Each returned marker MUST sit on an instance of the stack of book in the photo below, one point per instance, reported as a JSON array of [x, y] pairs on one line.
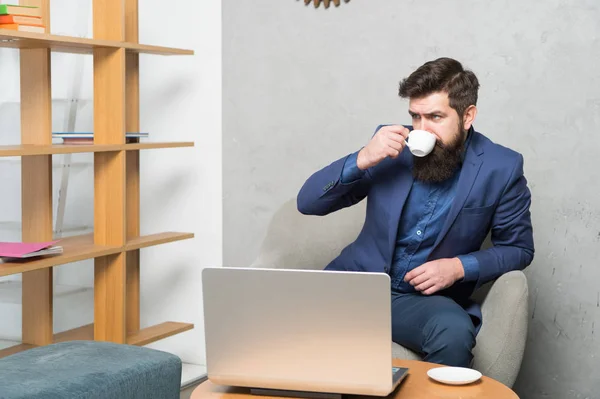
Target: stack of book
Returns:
[[11, 251], [21, 18], [88, 137]]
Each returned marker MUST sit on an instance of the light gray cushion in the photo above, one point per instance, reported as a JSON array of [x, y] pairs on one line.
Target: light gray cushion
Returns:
[[90, 370], [400, 352], [501, 341], [296, 241], [301, 241]]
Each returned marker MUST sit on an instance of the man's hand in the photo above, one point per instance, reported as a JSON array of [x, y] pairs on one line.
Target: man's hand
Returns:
[[436, 275], [389, 141]]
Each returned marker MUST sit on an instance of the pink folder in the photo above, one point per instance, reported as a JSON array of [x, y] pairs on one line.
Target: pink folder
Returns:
[[19, 249]]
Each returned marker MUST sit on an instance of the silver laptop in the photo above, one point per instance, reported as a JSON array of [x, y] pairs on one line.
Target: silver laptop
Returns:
[[299, 330]]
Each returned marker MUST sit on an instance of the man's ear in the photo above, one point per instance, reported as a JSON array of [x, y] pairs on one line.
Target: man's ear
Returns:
[[469, 117]]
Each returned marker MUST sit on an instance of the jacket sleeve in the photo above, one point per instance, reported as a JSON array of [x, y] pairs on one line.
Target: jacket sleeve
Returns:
[[336, 186], [511, 231], [325, 191]]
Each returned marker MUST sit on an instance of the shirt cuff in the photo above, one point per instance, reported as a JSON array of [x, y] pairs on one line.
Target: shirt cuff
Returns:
[[351, 171], [471, 267]]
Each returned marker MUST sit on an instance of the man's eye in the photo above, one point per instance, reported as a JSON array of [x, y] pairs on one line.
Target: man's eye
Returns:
[[416, 117], [436, 117]]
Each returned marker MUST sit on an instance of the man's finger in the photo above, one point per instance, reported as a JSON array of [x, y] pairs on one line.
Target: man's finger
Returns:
[[393, 153], [423, 287], [431, 290], [401, 130], [395, 136], [396, 140], [396, 145], [414, 273], [420, 279]]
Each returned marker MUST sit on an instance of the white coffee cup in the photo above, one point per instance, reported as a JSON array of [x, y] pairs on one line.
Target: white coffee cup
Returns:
[[421, 142]]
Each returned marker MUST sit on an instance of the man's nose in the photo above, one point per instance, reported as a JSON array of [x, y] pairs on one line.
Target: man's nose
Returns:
[[421, 124]]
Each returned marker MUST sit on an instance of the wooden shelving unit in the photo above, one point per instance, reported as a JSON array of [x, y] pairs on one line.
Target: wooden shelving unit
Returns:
[[116, 242]]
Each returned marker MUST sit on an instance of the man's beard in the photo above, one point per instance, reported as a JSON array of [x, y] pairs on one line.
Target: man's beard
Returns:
[[442, 163]]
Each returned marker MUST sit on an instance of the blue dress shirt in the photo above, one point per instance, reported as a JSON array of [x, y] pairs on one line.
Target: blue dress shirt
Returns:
[[422, 218]]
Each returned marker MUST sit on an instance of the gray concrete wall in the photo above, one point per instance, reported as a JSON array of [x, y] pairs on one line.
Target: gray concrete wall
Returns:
[[303, 87]]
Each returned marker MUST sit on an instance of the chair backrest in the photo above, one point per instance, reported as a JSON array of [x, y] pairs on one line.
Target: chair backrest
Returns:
[[297, 241]]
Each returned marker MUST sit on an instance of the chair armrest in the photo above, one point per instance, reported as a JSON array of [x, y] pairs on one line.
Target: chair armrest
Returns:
[[501, 340]]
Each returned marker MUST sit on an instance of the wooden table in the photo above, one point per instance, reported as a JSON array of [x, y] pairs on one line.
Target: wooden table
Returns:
[[416, 385]]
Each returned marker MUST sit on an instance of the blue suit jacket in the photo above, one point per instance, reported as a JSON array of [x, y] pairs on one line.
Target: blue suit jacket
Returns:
[[492, 194]]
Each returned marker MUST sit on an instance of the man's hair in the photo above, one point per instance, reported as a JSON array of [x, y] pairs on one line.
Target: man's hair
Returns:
[[443, 75]]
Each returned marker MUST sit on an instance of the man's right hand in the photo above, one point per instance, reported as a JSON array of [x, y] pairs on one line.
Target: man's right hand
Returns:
[[389, 141]]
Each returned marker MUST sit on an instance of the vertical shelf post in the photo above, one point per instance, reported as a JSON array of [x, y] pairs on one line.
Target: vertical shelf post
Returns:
[[36, 183], [132, 119], [109, 173]]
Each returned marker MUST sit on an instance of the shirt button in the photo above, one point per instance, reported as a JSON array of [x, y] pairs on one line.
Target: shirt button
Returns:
[[419, 232]]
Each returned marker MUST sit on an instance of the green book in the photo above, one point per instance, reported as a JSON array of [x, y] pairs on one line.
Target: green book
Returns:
[[29, 11]]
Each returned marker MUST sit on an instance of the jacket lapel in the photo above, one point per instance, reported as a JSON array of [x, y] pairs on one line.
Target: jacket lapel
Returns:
[[468, 174]]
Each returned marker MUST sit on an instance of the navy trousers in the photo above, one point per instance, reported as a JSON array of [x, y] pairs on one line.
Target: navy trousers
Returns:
[[435, 326]]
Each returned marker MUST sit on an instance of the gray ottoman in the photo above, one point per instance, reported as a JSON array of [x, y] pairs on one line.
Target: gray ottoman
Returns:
[[90, 370]]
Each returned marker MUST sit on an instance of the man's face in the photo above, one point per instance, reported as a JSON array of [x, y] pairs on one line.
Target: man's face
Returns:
[[433, 114]]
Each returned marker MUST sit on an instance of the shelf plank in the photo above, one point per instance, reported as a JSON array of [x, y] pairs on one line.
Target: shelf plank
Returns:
[[74, 249], [83, 333], [53, 149], [152, 146], [156, 239], [15, 349], [142, 337], [31, 149], [78, 45], [155, 333], [82, 247]]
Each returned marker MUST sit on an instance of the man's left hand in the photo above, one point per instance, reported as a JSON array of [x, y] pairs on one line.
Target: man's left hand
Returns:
[[436, 275]]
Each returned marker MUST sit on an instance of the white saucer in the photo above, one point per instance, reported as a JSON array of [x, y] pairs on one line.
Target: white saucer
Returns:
[[454, 375]]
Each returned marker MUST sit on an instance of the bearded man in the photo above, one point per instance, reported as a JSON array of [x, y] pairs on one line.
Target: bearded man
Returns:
[[427, 217]]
